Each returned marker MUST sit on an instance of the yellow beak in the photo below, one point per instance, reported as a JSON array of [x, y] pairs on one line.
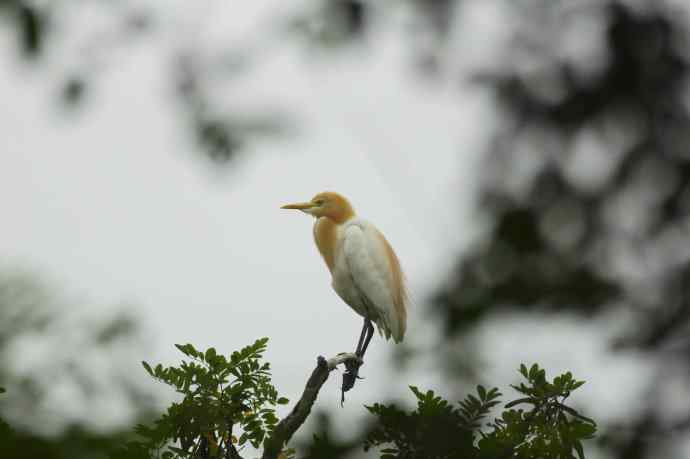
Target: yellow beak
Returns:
[[299, 206]]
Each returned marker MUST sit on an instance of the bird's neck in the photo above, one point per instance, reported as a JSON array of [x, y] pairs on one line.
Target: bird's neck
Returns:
[[326, 238], [341, 215]]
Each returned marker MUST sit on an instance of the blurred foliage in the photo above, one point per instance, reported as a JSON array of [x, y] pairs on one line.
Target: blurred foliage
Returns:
[[74, 443], [326, 444], [564, 228], [32, 319], [46, 345], [518, 266], [587, 188], [332, 24], [220, 135], [219, 394], [30, 24]]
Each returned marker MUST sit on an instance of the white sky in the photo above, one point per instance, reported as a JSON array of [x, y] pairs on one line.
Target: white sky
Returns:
[[113, 205]]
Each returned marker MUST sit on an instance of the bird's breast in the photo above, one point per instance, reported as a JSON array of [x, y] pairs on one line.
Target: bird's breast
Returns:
[[326, 238]]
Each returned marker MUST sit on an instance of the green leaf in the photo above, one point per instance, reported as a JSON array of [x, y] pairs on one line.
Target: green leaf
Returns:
[[415, 390], [491, 393], [521, 400], [282, 401], [523, 370], [584, 430], [482, 392], [576, 384], [188, 349], [475, 401], [147, 367]]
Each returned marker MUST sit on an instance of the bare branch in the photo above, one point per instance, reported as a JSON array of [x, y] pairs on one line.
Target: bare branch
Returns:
[[293, 421]]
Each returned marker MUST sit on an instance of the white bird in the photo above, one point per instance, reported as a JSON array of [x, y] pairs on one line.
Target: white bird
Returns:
[[365, 270]]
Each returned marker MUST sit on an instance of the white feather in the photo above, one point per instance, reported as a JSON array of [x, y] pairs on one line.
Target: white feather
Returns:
[[362, 275]]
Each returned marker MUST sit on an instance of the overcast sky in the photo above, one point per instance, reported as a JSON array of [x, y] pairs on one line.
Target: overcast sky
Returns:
[[113, 205]]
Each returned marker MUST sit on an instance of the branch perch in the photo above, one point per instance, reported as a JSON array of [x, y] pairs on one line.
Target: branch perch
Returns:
[[293, 421]]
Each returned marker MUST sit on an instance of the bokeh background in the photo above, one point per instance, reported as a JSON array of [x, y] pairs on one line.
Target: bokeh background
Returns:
[[529, 161]]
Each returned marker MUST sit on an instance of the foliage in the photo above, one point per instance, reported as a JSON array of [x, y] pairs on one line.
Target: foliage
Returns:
[[325, 443], [31, 308], [588, 174], [439, 430], [73, 443], [219, 394], [222, 393], [562, 225]]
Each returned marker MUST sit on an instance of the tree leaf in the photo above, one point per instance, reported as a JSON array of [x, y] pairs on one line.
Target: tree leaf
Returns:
[[147, 367], [482, 392]]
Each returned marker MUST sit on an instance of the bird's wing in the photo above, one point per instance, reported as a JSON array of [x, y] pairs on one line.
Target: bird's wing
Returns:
[[375, 271]]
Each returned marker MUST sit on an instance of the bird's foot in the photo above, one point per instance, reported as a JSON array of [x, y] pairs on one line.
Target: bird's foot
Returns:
[[350, 376]]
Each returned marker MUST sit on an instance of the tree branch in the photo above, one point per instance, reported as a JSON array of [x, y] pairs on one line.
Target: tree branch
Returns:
[[293, 421]]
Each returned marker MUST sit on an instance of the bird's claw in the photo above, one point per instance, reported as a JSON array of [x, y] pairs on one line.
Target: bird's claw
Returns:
[[350, 376]]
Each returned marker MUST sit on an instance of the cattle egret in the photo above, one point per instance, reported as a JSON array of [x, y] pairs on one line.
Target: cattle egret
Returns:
[[364, 268]]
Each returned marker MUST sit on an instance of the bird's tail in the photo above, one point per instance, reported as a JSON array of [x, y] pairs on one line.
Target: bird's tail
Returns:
[[391, 327]]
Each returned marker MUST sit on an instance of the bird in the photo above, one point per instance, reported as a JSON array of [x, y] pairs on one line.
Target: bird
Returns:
[[365, 270]]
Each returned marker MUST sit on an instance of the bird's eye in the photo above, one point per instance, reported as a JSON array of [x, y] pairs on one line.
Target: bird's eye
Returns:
[[319, 202]]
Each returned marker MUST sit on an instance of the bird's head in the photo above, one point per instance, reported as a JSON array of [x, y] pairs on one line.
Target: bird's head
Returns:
[[327, 204]]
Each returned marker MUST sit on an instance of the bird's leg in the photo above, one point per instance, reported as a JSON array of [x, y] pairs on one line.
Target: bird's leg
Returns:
[[367, 340], [361, 338], [352, 366]]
